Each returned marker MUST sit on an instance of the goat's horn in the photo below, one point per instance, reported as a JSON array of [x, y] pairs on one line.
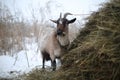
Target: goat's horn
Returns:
[[66, 14], [60, 15]]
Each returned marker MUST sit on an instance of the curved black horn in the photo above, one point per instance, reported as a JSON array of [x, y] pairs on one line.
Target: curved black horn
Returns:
[[66, 14]]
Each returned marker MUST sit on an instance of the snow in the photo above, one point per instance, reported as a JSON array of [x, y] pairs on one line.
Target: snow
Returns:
[[23, 61]]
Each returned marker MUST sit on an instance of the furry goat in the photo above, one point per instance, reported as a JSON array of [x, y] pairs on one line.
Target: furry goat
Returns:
[[59, 37]]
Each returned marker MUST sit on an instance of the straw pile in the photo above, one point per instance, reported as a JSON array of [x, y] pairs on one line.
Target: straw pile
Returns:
[[95, 53]]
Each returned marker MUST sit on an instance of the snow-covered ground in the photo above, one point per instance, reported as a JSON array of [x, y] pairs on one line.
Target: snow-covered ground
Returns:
[[21, 62]]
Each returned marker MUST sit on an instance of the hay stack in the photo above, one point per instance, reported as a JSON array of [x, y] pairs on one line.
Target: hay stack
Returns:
[[95, 54]]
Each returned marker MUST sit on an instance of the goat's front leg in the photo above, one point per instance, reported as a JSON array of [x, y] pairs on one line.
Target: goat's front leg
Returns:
[[59, 61], [53, 62]]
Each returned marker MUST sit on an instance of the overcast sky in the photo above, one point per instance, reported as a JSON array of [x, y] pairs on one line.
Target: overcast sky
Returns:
[[55, 6]]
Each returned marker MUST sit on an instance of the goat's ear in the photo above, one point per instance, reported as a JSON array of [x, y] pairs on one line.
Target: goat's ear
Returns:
[[71, 21], [55, 21]]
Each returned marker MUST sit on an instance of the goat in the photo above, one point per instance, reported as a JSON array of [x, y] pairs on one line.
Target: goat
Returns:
[[59, 37]]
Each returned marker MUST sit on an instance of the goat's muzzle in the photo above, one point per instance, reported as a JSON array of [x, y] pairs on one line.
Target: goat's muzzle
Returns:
[[60, 33]]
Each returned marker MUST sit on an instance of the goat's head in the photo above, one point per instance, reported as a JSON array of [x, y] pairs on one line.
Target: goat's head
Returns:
[[62, 24]]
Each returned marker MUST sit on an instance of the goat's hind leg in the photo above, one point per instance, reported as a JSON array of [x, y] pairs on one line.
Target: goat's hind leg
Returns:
[[43, 63]]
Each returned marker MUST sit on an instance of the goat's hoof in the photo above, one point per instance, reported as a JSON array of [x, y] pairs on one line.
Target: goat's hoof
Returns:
[[53, 69]]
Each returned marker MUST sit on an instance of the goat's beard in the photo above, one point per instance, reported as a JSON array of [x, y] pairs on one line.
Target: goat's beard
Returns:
[[63, 40]]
